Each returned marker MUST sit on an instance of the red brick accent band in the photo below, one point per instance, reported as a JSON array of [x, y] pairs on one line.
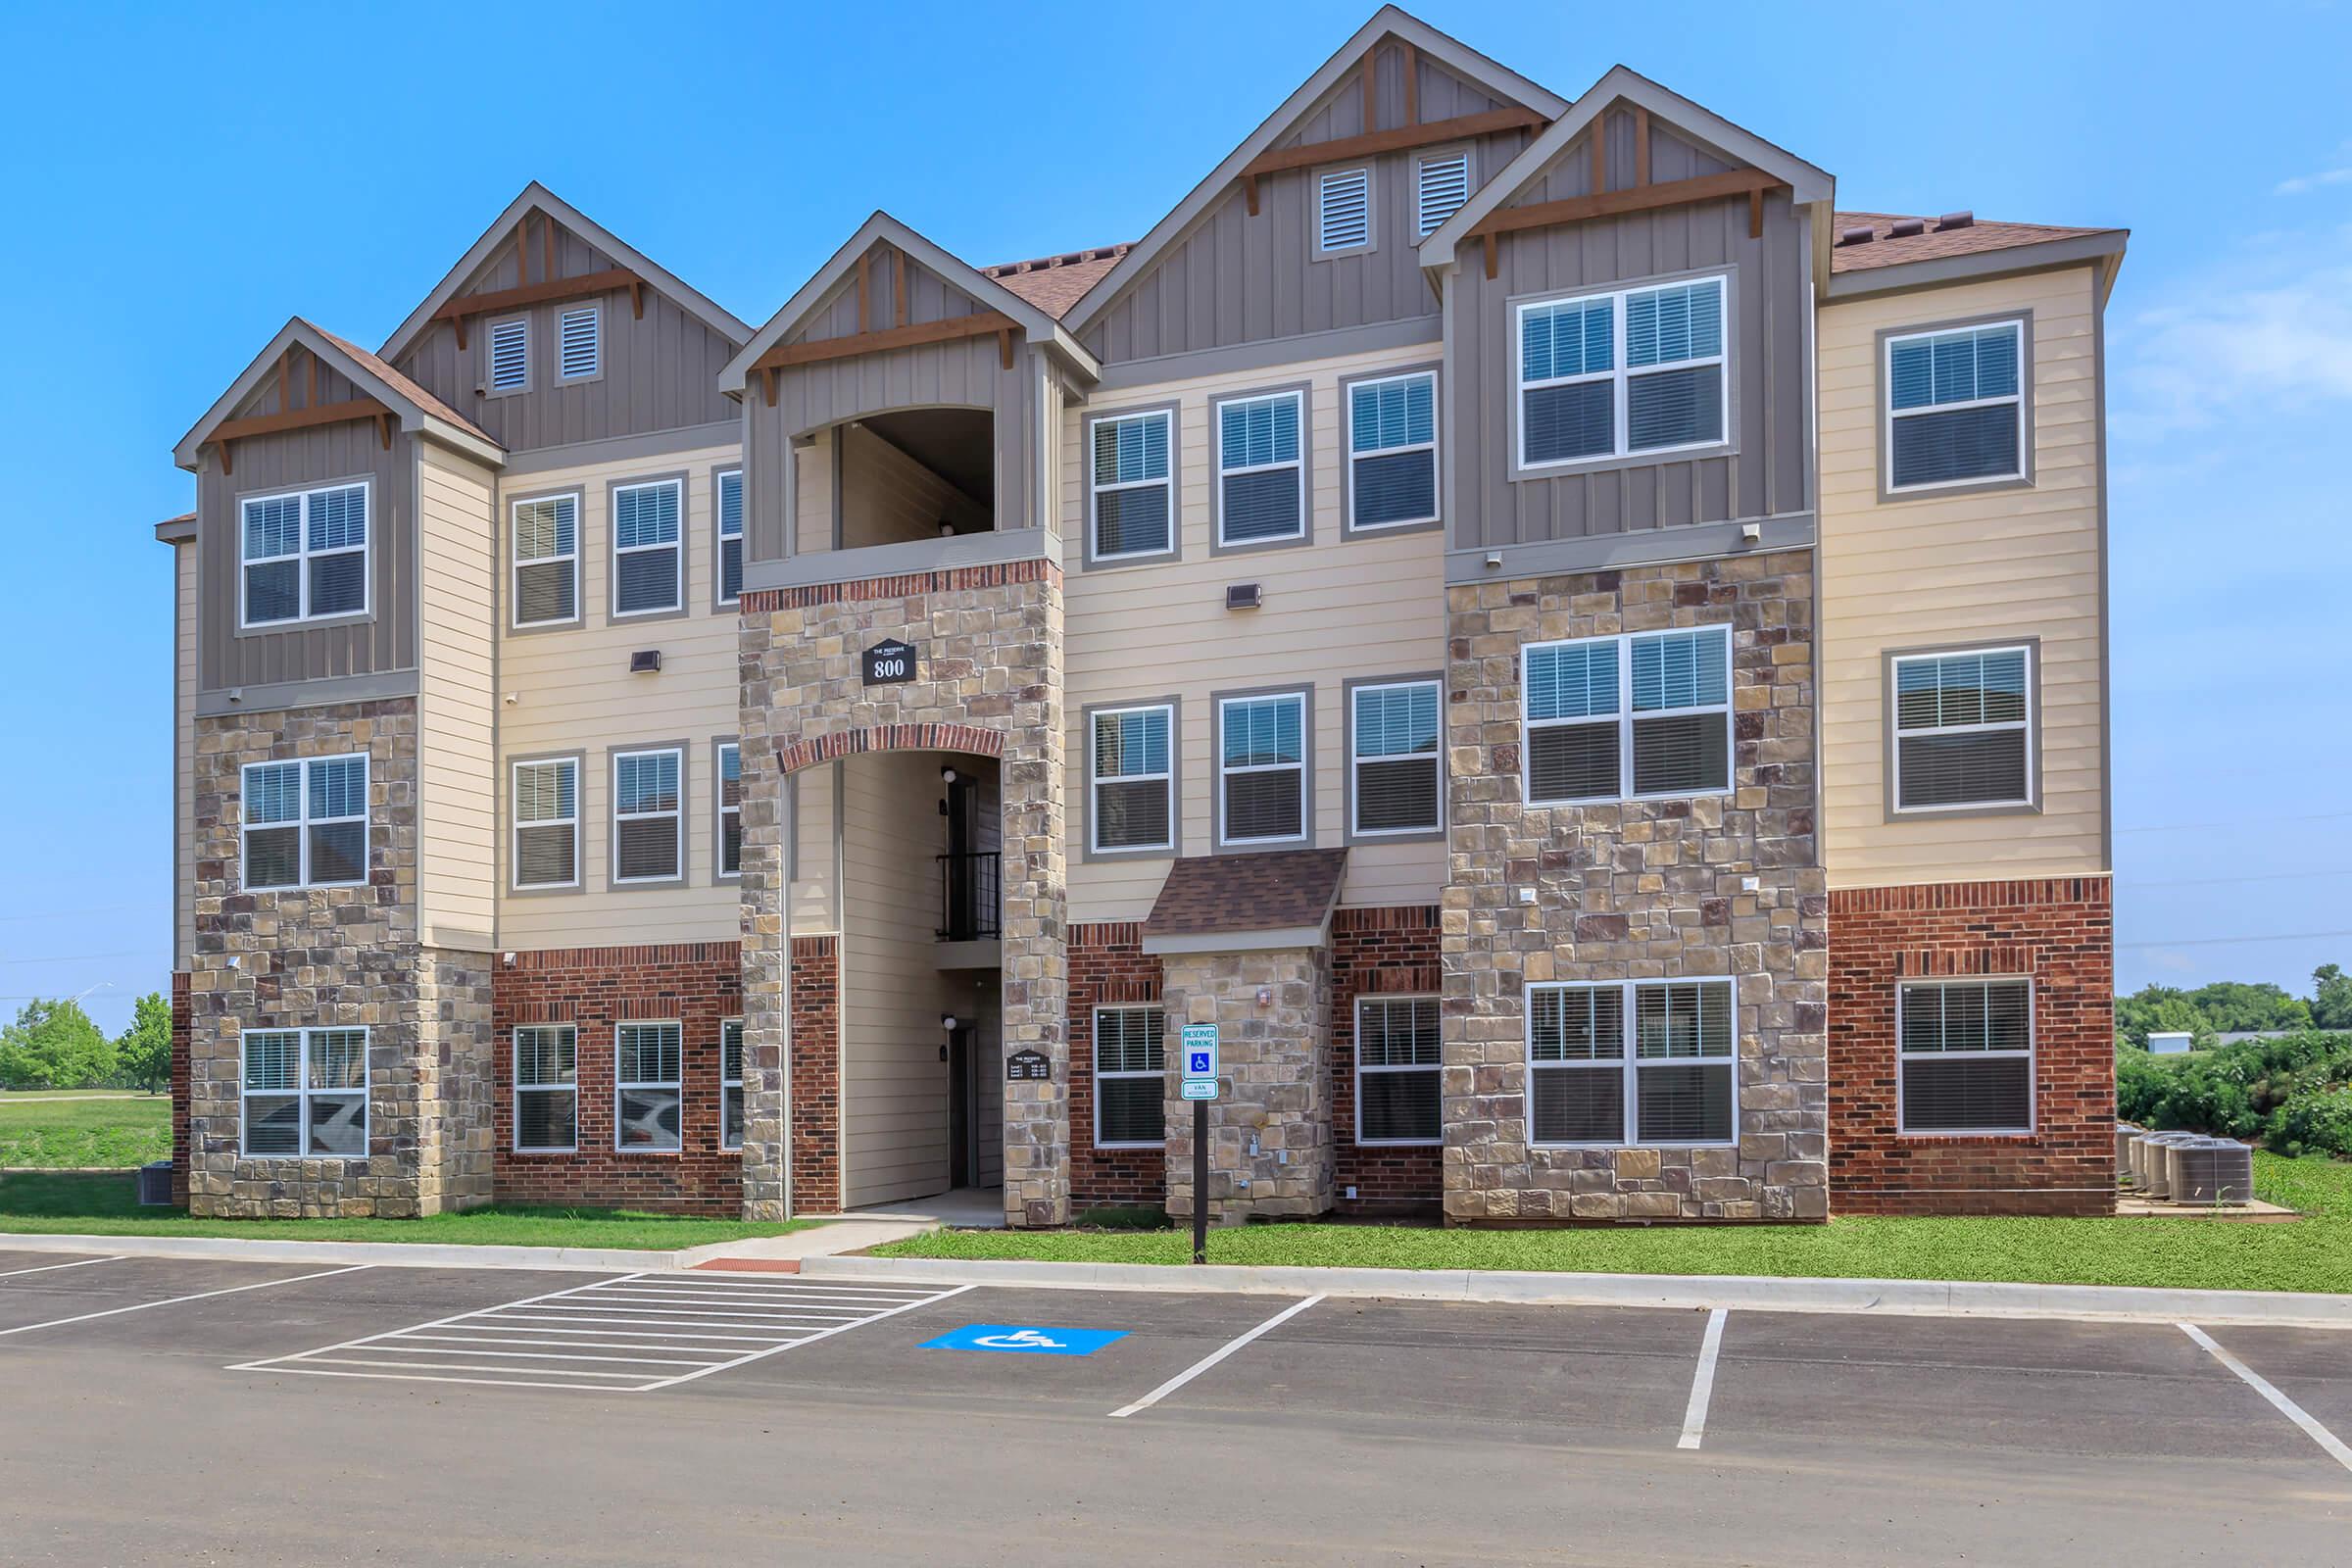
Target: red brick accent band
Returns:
[[793, 756], [1391, 951], [815, 1075], [768, 600], [182, 1088], [698, 984], [1109, 969], [2059, 931]]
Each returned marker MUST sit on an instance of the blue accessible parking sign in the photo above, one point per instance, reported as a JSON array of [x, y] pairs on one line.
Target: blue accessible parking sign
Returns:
[[1012, 1339]]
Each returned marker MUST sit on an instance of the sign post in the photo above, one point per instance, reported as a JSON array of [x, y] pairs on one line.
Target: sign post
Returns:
[[1198, 1042]]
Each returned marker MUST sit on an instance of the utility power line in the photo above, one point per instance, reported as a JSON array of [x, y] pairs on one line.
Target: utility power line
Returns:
[[2209, 827], [73, 958], [2216, 942], [2217, 881]]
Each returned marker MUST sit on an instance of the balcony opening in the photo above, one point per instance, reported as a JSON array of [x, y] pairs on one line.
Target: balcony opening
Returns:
[[915, 474]]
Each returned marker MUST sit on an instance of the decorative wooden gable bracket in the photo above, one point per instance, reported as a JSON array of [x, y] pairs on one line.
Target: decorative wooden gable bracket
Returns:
[[1642, 196], [549, 287], [290, 417], [1412, 134], [903, 334]]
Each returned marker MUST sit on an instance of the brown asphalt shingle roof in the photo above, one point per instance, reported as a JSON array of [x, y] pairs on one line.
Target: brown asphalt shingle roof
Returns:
[[1055, 283], [404, 387], [1933, 241], [1263, 892]]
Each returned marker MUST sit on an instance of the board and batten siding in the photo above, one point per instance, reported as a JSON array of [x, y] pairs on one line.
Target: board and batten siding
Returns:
[[657, 372], [1341, 608], [572, 692], [1765, 472], [456, 713], [894, 1084], [184, 616], [383, 640], [1234, 279], [1978, 567]]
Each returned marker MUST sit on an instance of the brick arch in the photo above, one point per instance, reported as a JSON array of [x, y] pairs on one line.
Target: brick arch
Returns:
[[795, 755]]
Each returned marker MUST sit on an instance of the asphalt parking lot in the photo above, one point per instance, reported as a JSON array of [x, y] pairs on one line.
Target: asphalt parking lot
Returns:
[[165, 1410]]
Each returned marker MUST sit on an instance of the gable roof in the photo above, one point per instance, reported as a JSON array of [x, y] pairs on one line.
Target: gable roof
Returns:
[[1719, 135], [1055, 283], [1037, 324], [537, 197], [1957, 237], [1449, 52], [418, 409]]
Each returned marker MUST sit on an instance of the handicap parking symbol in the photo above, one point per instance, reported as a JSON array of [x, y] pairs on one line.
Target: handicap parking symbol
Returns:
[[1012, 1339]]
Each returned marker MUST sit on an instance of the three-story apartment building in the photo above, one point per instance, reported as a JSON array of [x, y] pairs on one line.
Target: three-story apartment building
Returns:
[[1586, 662]]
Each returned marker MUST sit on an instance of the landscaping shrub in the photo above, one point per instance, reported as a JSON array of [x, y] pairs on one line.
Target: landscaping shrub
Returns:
[[2282, 1091], [2314, 1121]]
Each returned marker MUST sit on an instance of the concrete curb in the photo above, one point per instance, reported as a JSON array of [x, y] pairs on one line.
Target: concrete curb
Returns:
[[1907, 1298], [386, 1254]]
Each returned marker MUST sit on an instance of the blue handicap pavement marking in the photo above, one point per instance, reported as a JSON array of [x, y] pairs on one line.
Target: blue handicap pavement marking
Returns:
[[1012, 1339]]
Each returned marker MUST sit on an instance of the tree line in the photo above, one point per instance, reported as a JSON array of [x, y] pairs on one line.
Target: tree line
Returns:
[[54, 1045], [2230, 1006]]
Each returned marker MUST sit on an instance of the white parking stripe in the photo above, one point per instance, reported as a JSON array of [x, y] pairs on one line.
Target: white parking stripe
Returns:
[[517, 1353], [2332, 1444], [1214, 1357], [1702, 1382], [820, 1334], [174, 1301], [80, 1262]]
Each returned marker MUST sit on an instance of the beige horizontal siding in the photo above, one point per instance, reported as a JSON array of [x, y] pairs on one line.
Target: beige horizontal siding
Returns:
[[1341, 608], [457, 827], [571, 690], [1964, 568]]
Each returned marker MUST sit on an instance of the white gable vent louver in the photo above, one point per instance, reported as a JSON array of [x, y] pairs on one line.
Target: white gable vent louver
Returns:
[[1344, 209], [509, 356], [579, 342], [1445, 187]]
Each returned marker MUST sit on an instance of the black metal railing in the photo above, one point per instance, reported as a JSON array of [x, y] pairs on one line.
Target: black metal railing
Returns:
[[969, 891]]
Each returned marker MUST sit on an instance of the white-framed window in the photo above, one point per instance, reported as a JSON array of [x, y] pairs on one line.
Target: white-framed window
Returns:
[[547, 560], [1676, 1086], [303, 1094], [647, 1088], [1133, 488], [1964, 1059], [1262, 468], [1393, 451], [647, 578], [1963, 729], [1394, 751], [511, 355], [547, 823], [730, 1083], [1129, 1077], [1261, 768], [649, 817], [579, 351], [730, 809], [1343, 210], [547, 1089], [1596, 732], [1441, 188], [1133, 775], [1398, 1053], [730, 536], [305, 823], [304, 555], [1622, 374], [1956, 407]]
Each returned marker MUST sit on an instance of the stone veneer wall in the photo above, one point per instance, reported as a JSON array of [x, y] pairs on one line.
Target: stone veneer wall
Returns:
[[2058, 931], [1392, 952], [696, 984], [1271, 1150], [988, 681], [337, 957], [1109, 969], [1634, 890]]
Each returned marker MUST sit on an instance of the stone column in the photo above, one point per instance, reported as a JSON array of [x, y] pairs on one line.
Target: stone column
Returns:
[[1270, 1145]]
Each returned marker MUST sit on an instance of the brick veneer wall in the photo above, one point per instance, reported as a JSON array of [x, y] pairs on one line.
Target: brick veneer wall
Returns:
[[179, 1088], [1379, 952], [697, 983], [2059, 931], [815, 1075], [1109, 969]]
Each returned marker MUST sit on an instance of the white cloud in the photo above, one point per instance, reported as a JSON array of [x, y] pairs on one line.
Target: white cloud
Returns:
[[2304, 184]]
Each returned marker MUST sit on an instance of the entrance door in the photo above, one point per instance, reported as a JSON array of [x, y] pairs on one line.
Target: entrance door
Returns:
[[964, 1103]]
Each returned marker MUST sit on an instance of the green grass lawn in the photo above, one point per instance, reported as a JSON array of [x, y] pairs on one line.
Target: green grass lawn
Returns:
[[49, 1131], [2313, 1254], [76, 1205]]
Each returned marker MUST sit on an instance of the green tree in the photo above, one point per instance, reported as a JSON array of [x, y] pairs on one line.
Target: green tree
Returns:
[[2234, 1007], [2178, 1016], [143, 1052], [2331, 996], [53, 1044], [2137, 1013]]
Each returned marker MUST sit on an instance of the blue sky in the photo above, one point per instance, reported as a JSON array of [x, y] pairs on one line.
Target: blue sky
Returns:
[[233, 164]]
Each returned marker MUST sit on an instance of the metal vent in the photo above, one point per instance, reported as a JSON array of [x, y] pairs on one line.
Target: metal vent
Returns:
[[1959, 220], [1240, 595], [1856, 236], [645, 662], [1906, 227]]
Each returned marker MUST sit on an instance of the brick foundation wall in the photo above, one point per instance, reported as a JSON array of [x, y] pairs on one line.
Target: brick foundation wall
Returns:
[[815, 1075], [1379, 952], [699, 984], [2060, 932], [180, 1088], [1109, 969]]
